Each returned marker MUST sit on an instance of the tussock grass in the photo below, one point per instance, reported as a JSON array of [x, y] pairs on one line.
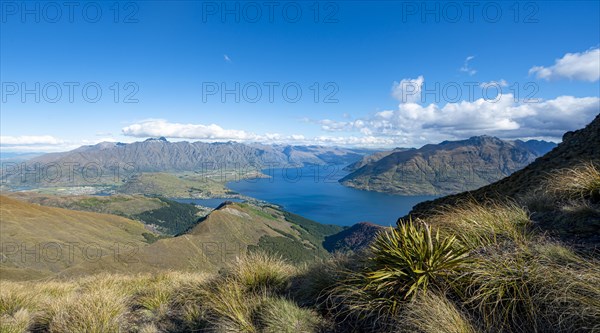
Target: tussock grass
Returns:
[[17, 322], [280, 315], [500, 289], [94, 312], [14, 297], [433, 313], [580, 182], [478, 225], [471, 268], [229, 308], [312, 284], [258, 270]]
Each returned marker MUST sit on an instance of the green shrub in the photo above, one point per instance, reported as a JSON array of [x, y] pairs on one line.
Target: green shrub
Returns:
[[404, 262]]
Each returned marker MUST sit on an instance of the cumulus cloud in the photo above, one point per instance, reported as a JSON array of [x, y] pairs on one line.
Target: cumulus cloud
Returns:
[[408, 90], [159, 127], [415, 124], [583, 66]]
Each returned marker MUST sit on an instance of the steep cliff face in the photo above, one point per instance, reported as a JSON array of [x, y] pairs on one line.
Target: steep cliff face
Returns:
[[445, 168]]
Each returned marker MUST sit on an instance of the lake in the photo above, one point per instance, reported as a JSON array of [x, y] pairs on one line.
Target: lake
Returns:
[[314, 192]]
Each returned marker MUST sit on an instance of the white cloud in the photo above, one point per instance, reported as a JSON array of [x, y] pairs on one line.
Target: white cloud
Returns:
[[44, 143], [29, 140], [414, 124], [465, 67], [584, 66], [494, 84], [408, 90], [226, 57], [159, 127]]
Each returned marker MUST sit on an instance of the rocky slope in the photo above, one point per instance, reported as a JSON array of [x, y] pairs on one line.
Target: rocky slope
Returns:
[[445, 168]]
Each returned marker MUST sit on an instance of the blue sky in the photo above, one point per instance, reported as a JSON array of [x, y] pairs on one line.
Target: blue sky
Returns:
[[387, 73]]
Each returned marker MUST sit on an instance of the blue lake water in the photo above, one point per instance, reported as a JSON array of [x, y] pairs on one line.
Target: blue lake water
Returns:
[[314, 192]]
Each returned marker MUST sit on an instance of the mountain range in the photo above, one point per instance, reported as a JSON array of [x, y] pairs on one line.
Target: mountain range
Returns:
[[528, 187], [115, 161], [159, 154], [444, 168]]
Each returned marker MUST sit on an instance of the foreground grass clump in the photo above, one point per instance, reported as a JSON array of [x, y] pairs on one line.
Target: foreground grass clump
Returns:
[[470, 268], [580, 182], [280, 315], [433, 313], [478, 225], [249, 296], [94, 312], [403, 263], [258, 270]]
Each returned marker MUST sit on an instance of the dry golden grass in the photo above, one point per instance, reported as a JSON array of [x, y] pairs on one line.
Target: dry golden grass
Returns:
[[433, 313], [96, 311], [513, 281], [280, 315], [259, 270], [580, 182], [478, 225]]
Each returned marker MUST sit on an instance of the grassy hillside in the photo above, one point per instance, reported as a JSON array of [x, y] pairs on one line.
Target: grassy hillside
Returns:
[[470, 267], [159, 214], [172, 185], [39, 241], [226, 233], [123, 205]]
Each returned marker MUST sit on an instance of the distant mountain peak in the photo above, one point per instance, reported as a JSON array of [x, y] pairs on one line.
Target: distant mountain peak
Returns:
[[161, 139], [445, 168], [484, 139]]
